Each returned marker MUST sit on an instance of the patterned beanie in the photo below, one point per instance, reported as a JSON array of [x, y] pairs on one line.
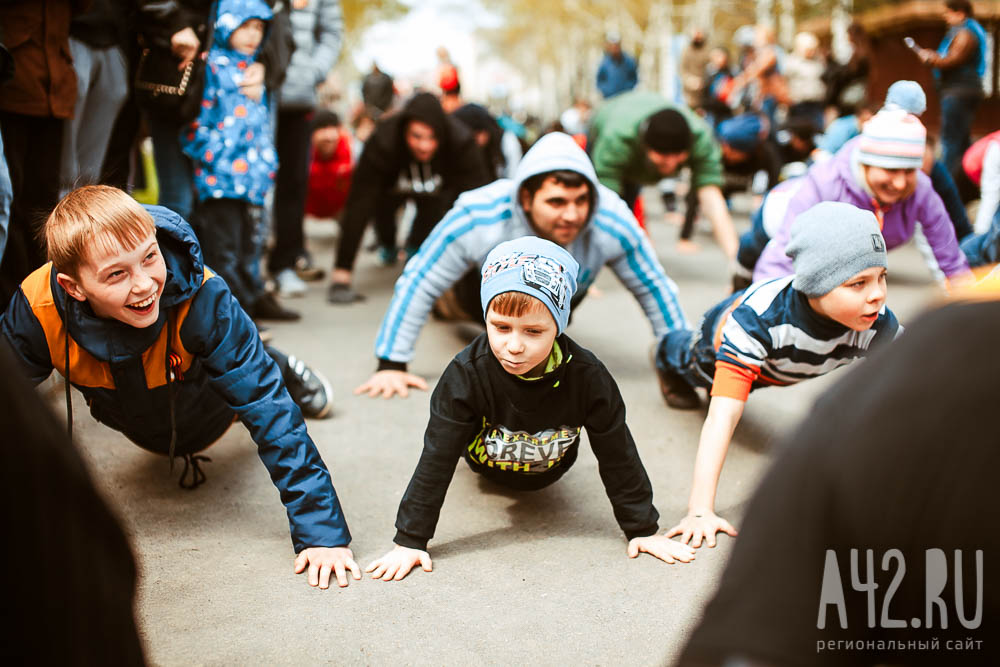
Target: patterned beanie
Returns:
[[831, 242], [892, 139], [535, 267]]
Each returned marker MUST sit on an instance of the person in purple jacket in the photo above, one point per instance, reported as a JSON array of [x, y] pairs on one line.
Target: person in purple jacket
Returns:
[[878, 171]]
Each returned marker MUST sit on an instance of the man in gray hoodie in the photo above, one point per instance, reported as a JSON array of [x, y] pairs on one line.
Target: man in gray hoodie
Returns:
[[555, 195]]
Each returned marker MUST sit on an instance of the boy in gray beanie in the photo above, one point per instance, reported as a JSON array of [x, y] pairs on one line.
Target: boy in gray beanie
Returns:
[[513, 404], [777, 332]]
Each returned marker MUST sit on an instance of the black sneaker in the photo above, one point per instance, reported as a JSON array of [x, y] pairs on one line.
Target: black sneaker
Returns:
[[310, 390], [268, 308], [675, 390], [341, 293]]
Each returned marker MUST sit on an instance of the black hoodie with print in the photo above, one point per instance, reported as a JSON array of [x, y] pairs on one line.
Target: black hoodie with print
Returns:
[[525, 434], [386, 168]]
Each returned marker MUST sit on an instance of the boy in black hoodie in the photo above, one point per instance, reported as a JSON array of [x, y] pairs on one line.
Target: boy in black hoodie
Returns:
[[513, 404], [420, 154]]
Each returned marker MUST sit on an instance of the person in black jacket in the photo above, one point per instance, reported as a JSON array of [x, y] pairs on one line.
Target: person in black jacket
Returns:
[[420, 154], [513, 404]]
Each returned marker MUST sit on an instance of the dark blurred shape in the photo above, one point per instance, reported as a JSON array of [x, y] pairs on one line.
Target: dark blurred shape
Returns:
[[900, 454], [68, 571]]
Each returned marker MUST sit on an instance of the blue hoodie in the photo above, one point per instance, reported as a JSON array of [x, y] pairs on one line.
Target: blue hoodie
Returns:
[[231, 141], [224, 374]]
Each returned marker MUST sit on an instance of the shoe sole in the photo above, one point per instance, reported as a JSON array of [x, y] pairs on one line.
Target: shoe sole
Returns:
[[678, 401]]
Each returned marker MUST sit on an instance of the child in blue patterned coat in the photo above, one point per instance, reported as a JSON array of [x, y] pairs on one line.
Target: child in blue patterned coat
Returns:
[[231, 144]]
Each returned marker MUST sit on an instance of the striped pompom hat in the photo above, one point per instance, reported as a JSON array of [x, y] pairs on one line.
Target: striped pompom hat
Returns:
[[892, 139]]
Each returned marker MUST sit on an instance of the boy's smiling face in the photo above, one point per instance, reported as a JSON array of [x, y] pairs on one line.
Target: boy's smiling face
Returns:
[[121, 284], [522, 343], [856, 302]]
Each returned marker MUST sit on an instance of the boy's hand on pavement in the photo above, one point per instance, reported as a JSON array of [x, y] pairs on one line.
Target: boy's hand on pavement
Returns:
[[252, 83], [662, 547], [397, 563], [323, 560], [704, 525], [388, 383]]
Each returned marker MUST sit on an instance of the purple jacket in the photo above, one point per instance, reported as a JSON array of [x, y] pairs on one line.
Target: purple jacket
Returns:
[[835, 180]]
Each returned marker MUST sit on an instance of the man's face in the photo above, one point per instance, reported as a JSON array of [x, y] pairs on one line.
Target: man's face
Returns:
[[557, 212], [325, 141], [614, 49], [667, 163], [522, 344], [856, 302], [421, 141], [952, 17], [120, 284], [891, 186]]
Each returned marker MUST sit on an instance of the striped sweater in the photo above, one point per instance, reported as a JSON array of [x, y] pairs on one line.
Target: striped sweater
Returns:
[[769, 335], [486, 216]]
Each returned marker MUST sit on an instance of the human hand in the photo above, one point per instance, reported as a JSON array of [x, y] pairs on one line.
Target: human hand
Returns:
[[323, 560], [662, 547], [397, 563], [695, 527], [389, 383], [926, 55], [252, 83], [184, 44]]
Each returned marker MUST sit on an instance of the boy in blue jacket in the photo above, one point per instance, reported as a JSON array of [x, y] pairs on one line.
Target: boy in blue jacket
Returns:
[[231, 144], [128, 313]]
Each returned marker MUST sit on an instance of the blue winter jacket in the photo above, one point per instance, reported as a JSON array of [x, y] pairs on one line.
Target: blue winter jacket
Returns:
[[222, 373], [616, 76], [231, 142]]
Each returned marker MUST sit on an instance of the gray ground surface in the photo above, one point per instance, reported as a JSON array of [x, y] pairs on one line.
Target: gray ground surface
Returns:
[[538, 579]]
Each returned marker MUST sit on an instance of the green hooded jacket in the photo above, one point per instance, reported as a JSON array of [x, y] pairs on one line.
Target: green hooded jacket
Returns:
[[619, 156]]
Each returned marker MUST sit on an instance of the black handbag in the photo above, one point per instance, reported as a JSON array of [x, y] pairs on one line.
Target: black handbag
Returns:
[[165, 92]]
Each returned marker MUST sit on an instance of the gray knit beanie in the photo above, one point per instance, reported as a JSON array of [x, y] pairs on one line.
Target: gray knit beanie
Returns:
[[831, 242]]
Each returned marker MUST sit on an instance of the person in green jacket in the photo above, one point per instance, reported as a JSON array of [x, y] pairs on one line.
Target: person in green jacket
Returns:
[[639, 137]]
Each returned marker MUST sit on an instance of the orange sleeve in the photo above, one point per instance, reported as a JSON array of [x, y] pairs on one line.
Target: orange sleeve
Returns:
[[733, 381]]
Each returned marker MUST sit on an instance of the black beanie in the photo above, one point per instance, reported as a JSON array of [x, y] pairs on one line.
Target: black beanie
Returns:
[[666, 131], [325, 118]]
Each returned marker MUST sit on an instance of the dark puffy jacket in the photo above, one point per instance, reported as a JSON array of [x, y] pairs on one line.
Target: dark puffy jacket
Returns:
[[224, 373]]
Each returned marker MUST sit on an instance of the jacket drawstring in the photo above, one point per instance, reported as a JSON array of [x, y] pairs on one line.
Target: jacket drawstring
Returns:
[[69, 397], [172, 363]]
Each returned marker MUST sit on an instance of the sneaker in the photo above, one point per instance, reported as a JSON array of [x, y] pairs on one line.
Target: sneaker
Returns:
[[268, 308], [289, 283], [387, 256], [310, 390], [306, 271], [675, 390], [341, 293]]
